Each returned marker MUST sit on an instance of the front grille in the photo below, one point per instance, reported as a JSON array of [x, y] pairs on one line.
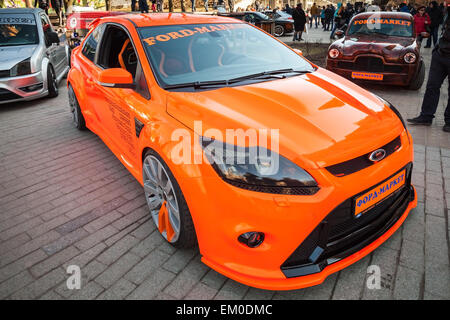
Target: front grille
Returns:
[[341, 234], [361, 162], [370, 64], [8, 95], [4, 73], [303, 191]]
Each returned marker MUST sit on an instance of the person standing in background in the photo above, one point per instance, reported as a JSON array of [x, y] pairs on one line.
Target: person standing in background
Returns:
[[143, 6], [205, 3], [439, 71], [422, 24], [436, 19], [193, 5], [299, 17], [133, 5], [314, 15]]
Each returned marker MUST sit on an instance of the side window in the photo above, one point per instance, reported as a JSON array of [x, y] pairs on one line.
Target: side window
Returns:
[[117, 51], [90, 45], [47, 28]]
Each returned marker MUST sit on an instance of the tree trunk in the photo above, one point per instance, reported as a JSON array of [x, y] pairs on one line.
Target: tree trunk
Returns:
[[108, 5], [2, 3], [28, 4]]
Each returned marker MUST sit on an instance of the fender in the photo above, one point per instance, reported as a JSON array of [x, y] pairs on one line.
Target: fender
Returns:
[[44, 65]]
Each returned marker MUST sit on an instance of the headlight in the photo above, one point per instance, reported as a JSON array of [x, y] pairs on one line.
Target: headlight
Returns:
[[22, 68], [258, 169], [394, 109], [333, 53], [410, 57]]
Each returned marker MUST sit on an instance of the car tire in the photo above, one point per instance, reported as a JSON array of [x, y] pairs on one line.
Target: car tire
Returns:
[[417, 81], [160, 194], [77, 116], [278, 31], [52, 85]]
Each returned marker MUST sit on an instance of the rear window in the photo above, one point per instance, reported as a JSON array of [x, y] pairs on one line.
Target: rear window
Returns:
[[383, 26], [17, 29]]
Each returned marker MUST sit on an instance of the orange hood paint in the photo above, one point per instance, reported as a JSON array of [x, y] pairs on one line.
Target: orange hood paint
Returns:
[[316, 108]]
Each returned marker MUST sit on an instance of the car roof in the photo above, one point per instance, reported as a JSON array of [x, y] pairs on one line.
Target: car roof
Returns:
[[384, 14], [21, 10], [161, 19]]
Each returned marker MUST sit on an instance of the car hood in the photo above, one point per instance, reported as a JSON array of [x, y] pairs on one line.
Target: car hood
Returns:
[[386, 46], [11, 55], [322, 118]]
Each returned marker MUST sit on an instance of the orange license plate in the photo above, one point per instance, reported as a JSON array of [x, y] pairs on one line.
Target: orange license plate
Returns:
[[380, 192], [367, 76]]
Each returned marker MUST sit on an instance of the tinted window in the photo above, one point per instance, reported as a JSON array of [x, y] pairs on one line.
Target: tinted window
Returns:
[[208, 52], [47, 28], [90, 45], [18, 30], [384, 26]]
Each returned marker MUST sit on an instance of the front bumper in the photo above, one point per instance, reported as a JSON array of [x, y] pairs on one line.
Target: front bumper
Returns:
[[287, 222], [11, 88], [393, 73]]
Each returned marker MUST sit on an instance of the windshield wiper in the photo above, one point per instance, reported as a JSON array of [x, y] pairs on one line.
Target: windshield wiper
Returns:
[[213, 83], [267, 73]]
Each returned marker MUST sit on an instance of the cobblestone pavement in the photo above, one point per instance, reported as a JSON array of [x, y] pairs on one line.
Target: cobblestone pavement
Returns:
[[65, 199]]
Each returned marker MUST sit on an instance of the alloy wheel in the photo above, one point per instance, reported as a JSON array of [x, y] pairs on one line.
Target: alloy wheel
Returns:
[[161, 199]]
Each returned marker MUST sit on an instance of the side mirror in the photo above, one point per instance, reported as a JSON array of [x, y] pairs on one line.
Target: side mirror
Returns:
[[298, 51], [116, 78], [53, 37], [339, 33]]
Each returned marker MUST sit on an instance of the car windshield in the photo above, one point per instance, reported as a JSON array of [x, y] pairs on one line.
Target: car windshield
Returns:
[[181, 54], [17, 29], [383, 26]]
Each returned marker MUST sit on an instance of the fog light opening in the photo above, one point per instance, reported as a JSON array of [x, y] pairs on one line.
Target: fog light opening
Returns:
[[251, 239], [33, 87]]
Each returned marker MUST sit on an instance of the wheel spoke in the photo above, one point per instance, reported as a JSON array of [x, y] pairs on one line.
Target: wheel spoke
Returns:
[[150, 188], [153, 203]]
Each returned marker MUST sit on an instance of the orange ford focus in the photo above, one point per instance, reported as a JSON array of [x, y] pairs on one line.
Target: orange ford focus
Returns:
[[281, 171]]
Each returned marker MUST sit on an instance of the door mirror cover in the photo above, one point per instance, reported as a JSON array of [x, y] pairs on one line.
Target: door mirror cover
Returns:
[[116, 78]]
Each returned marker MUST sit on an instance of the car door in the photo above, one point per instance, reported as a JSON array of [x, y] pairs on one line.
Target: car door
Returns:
[[118, 108], [55, 52], [88, 88]]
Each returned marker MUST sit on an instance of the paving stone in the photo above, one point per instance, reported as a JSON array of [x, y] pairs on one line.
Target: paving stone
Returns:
[[27, 247], [147, 266], [88, 292], [323, 291], [21, 264], [85, 257], [187, 279], [412, 255], [259, 294], [148, 244], [152, 285], [118, 291], [214, 279], [54, 261], [434, 206], [118, 249], [41, 285], [231, 290], [117, 270], [201, 292], [437, 279], [15, 283], [407, 284], [95, 238], [351, 281], [436, 243], [179, 260], [65, 241]]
